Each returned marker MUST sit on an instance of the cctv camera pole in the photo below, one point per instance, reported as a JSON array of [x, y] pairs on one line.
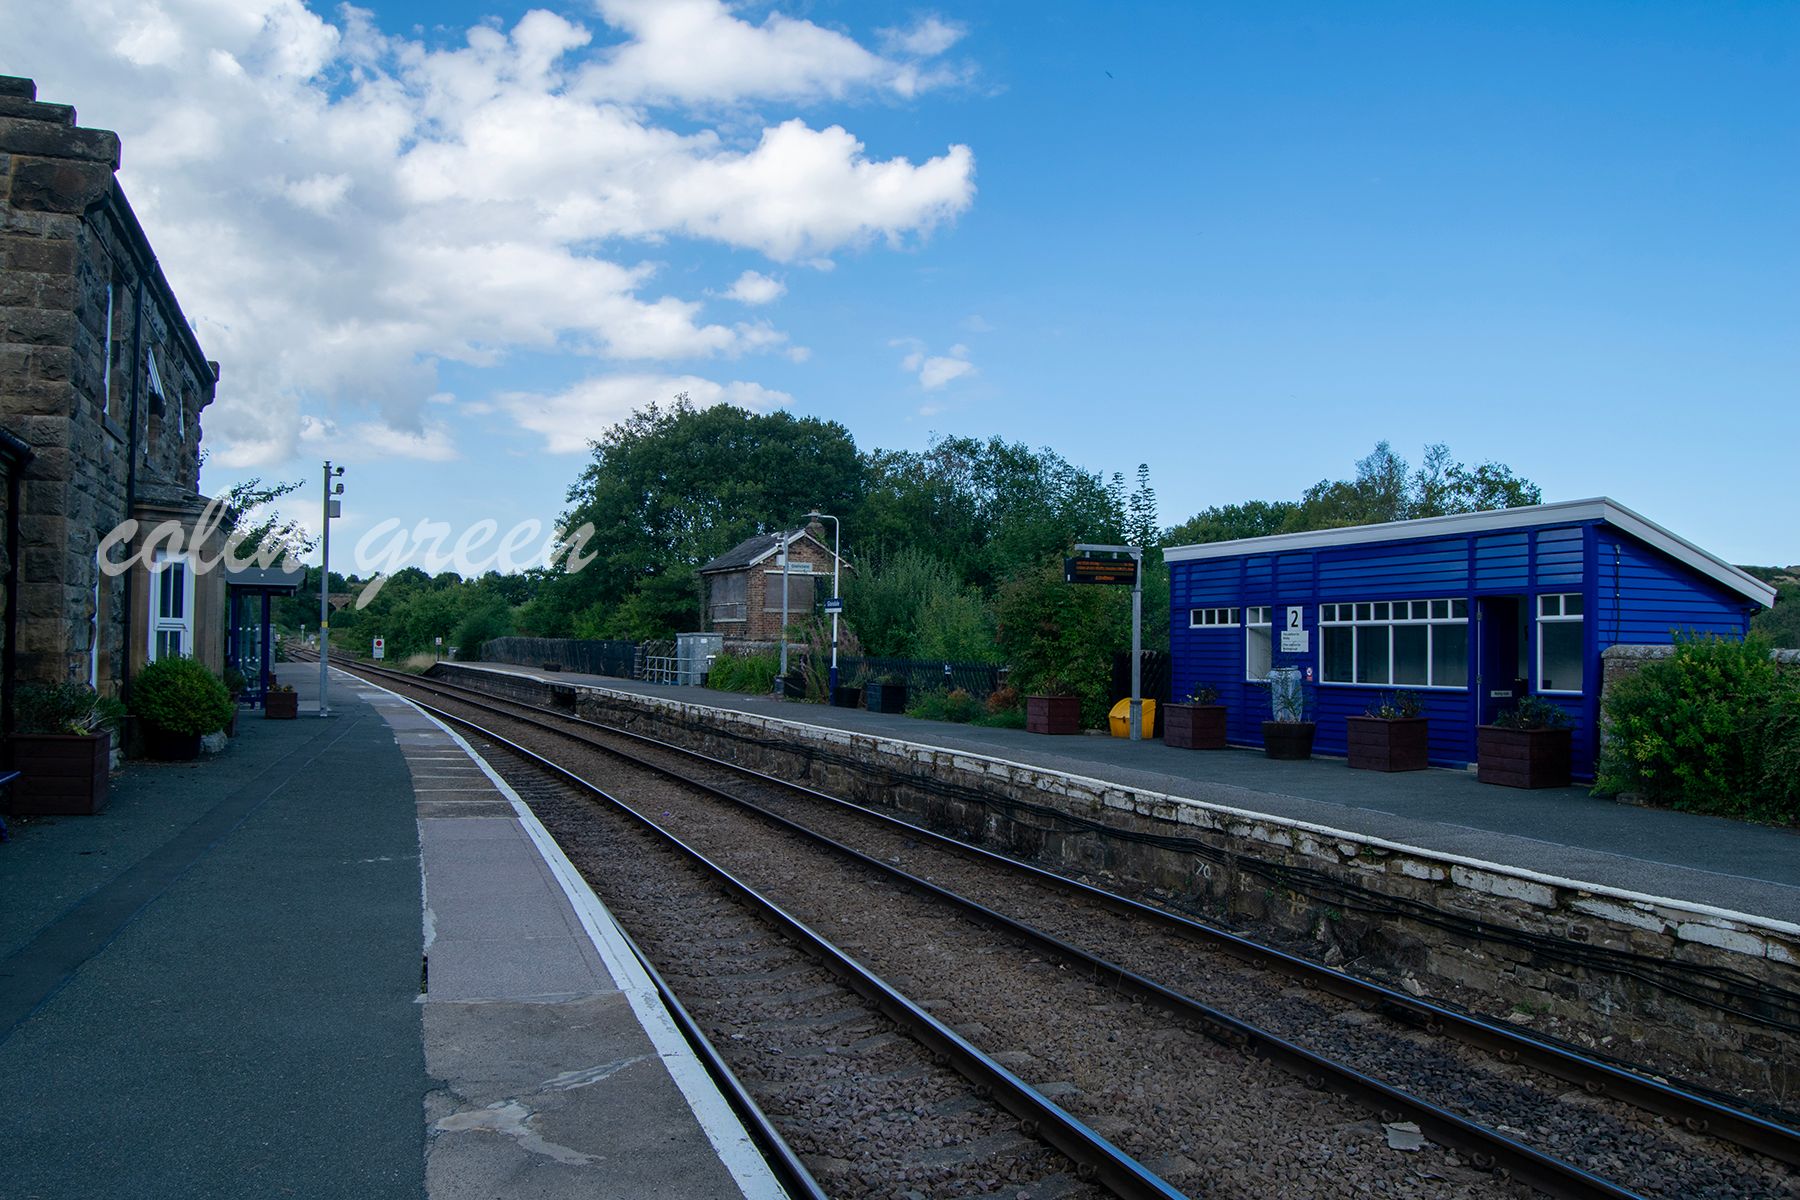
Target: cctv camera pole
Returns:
[[330, 505]]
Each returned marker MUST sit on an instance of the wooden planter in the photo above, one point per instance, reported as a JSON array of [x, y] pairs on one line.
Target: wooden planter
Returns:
[[846, 697], [60, 774], [1288, 739], [885, 697], [164, 746], [1053, 714], [1387, 743], [281, 706], [1194, 726], [1523, 758]]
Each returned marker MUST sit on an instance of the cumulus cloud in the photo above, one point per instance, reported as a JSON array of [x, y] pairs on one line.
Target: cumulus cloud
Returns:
[[753, 287], [931, 36], [363, 440], [341, 210], [569, 419], [933, 370]]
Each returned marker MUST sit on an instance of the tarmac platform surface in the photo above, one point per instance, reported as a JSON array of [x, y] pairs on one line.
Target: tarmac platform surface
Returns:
[[1687, 857], [335, 960]]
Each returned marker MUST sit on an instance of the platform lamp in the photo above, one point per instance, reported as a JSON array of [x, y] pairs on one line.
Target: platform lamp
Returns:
[[837, 531], [333, 507]]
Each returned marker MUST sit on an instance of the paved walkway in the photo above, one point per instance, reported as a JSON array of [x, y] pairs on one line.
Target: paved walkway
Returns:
[[1565, 832], [228, 985]]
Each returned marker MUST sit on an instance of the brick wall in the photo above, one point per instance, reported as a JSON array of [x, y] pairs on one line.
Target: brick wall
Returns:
[[83, 309]]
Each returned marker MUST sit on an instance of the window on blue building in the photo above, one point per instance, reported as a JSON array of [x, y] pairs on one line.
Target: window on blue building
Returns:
[[1259, 642], [1408, 643], [1559, 643]]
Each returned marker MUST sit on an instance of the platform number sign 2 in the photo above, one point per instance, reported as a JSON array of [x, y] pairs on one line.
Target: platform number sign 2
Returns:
[[1295, 637]]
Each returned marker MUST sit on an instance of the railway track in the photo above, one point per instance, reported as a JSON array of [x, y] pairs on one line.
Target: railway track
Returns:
[[1488, 1111]]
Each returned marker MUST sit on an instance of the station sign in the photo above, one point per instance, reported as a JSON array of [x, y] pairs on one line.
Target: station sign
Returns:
[[380, 648], [834, 605], [1100, 570]]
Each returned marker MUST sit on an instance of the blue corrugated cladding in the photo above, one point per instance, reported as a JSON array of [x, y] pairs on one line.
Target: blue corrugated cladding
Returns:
[[1631, 593]]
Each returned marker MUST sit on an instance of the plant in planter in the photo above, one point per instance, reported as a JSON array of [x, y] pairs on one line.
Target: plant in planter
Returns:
[[1287, 734], [1528, 746], [61, 747], [1054, 708], [179, 701], [1196, 723], [235, 684], [1389, 736], [281, 703], [850, 695], [887, 694]]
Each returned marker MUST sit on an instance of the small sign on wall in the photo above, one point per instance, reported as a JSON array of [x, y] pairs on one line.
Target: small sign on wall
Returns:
[[1295, 637]]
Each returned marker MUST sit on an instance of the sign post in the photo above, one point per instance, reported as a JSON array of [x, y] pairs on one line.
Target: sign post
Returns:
[[1117, 571]]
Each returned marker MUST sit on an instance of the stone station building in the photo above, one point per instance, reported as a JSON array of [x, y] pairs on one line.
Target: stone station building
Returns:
[[102, 383], [743, 585]]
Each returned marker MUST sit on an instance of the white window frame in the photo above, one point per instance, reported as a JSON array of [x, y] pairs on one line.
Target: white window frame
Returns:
[[106, 362], [1362, 614], [1258, 616], [1560, 617], [1214, 618], [158, 623]]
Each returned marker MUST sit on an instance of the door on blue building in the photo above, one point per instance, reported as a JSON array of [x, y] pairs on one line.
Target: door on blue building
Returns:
[[1502, 664]]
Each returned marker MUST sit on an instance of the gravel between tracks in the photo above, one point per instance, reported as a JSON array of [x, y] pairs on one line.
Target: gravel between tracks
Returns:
[[864, 1105]]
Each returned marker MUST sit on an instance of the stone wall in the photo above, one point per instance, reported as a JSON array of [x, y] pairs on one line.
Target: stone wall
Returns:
[[83, 310], [1595, 965]]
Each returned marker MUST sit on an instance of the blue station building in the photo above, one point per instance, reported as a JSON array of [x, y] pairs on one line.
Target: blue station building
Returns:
[[1469, 612]]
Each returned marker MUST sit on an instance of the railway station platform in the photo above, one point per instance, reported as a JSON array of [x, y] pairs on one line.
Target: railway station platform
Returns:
[[336, 960], [1695, 860]]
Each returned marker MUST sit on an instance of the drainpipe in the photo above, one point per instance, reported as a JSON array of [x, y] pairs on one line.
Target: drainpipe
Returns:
[[17, 454], [131, 470]]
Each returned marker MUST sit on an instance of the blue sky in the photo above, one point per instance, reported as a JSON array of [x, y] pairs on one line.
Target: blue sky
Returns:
[[1240, 243]]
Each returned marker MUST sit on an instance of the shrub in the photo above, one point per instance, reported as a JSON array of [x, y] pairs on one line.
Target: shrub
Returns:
[[63, 708], [1006, 718], [483, 625], [753, 673], [182, 697], [1714, 727], [1003, 699], [956, 706]]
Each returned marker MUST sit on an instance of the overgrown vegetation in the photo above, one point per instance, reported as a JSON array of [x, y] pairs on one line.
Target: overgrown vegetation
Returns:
[[1714, 727], [750, 673], [1780, 624]]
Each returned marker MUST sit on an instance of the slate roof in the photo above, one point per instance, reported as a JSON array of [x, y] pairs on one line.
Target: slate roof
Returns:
[[753, 550], [746, 553]]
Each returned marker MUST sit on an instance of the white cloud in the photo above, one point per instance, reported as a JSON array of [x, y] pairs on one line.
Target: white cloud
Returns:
[[570, 419], [697, 52], [933, 370], [340, 209], [753, 287], [929, 37], [365, 440], [976, 323]]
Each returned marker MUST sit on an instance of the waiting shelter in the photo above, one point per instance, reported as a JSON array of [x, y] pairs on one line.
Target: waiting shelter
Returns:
[[1470, 612], [250, 593]]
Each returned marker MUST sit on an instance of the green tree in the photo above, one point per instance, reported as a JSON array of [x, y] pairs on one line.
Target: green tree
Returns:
[[670, 487], [1053, 632]]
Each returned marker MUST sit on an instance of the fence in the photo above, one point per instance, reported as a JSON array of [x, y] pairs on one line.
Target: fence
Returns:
[[980, 680], [617, 659]]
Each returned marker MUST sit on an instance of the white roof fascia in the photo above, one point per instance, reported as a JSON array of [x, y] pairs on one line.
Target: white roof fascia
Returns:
[[1566, 511]]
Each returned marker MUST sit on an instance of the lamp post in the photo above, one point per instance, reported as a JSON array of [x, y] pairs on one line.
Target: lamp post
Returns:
[[781, 683], [332, 508], [837, 531]]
